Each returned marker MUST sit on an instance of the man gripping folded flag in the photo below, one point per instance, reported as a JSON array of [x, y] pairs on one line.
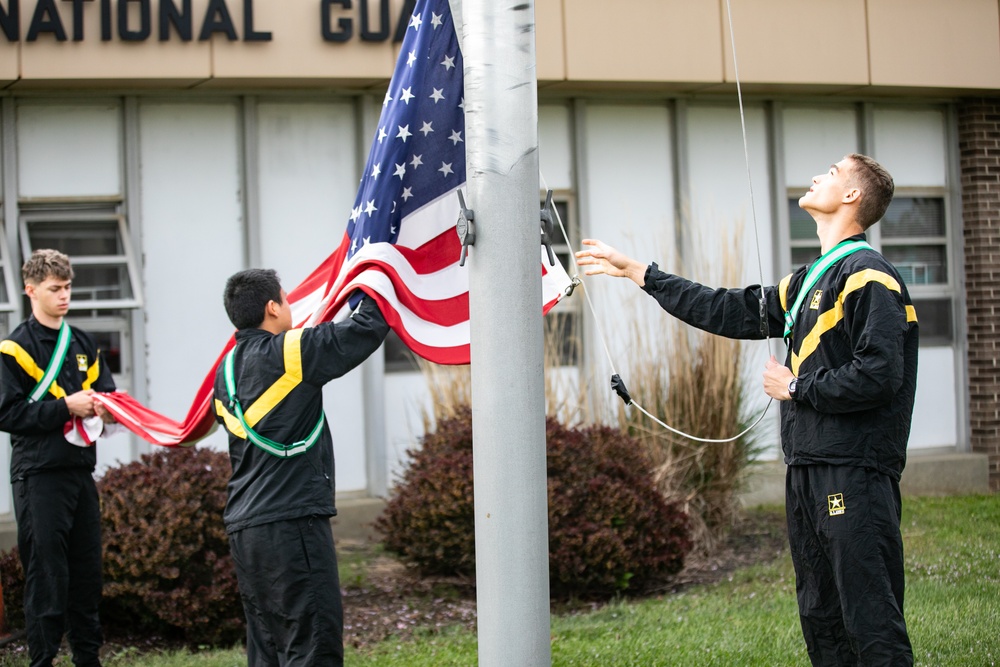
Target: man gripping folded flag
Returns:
[[400, 246]]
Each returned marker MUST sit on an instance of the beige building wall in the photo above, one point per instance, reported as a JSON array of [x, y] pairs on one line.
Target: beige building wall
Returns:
[[657, 44], [935, 44]]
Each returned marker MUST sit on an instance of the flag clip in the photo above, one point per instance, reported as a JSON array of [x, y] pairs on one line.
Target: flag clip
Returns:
[[548, 227], [465, 227], [574, 283]]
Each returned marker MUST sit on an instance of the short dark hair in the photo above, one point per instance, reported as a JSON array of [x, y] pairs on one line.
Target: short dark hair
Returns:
[[247, 294], [876, 186], [43, 263]]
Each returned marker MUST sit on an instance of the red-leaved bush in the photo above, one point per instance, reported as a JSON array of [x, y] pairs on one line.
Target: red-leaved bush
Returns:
[[167, 568], [610, 531]]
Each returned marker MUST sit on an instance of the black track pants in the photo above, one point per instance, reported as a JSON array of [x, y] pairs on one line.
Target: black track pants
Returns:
[[59, 540], [843, 529], [287, 573]]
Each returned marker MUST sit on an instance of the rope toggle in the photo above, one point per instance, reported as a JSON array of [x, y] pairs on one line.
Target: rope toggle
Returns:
[[619, 386]]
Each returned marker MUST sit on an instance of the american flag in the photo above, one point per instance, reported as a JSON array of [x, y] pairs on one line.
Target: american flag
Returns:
[[400, 246]]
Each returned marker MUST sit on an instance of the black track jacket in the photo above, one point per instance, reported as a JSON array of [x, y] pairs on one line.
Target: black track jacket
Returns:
[[853, 348], [36, 429], [279, 381]]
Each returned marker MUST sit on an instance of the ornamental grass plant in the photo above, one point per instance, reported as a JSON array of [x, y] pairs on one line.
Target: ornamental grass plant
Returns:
[[696, 383]]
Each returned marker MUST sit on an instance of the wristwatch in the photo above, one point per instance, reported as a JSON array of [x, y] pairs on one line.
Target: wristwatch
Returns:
[[791, 387]]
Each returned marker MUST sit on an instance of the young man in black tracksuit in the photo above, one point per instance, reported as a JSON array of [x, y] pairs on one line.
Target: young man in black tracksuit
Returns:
[[846, 390], [268, 396], [55, 498]]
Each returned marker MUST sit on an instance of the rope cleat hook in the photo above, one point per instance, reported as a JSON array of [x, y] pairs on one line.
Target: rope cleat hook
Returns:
[[465, 227]]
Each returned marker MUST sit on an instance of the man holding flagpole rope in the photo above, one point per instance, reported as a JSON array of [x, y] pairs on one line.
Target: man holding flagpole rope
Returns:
[[846, 389], [47, 382]]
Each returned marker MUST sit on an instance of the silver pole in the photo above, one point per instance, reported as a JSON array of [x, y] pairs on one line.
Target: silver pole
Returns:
[[508, 397]]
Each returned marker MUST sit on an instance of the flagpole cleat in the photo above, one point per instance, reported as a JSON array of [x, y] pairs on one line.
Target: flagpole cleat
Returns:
[[619, 386], [465, 227], [548, 227]]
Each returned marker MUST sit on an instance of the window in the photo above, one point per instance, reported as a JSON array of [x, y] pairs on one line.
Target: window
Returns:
[[398, 358], [915, 234], [106, 281], [9, 273], [914, 238], [802, 232], [97, 241]]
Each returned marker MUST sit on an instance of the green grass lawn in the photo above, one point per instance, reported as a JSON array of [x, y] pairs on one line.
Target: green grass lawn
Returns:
[[952, 610]]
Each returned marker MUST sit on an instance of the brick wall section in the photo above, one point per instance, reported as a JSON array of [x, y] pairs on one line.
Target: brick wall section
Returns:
[[979, 146]]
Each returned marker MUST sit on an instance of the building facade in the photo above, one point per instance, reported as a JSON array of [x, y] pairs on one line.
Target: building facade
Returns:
[[165, 144]]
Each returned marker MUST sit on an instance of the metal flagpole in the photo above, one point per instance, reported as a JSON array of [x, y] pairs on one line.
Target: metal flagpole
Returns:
[[508, 397]]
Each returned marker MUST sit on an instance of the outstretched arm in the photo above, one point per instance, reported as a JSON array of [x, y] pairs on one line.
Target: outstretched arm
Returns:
[[733, 313], [611, 262]]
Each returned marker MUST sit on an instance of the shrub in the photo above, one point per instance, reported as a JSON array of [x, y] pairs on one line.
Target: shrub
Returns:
[[167, 568], [12, 579], [610, 530]]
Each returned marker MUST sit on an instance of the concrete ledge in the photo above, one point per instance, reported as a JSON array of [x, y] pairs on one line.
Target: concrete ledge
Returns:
[[930, 474], [356, 518], [948, 474], [354, 521], [765, 484], [8, 535]]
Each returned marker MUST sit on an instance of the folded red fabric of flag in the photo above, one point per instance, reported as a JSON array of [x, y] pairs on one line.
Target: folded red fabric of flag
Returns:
[[400, 246]]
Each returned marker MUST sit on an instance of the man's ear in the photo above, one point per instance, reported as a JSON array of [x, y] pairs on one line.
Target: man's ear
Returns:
[[272, 309], [29, 290], [852, 195]]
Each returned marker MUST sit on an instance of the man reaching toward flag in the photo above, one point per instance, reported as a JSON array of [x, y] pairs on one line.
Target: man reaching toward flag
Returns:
[[269, 398]]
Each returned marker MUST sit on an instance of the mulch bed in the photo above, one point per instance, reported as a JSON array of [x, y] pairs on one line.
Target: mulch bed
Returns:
[[396, 602]]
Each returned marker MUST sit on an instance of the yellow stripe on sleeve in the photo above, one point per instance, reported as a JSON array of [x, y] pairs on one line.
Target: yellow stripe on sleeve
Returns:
[[28, 365], [783, 291], [232, 423]]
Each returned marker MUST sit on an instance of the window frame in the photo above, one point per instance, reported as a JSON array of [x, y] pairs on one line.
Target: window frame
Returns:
[[918, 292], [84, 213], [7, 267], [119, 323]]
